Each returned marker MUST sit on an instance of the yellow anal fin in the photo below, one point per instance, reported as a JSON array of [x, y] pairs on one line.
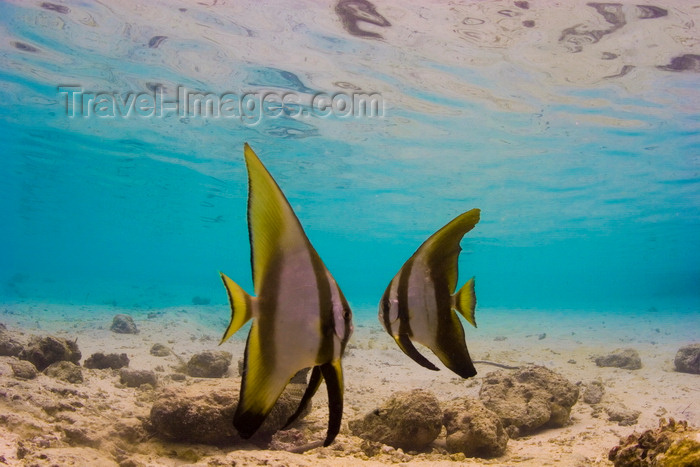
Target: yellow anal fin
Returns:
[[241, 307], [464, 301], [451, 348], [261, 386]]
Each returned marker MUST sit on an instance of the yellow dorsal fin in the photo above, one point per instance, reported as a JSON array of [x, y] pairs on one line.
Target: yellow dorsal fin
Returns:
[[464, 301], [273, 227], [441, 251], [241, 307]]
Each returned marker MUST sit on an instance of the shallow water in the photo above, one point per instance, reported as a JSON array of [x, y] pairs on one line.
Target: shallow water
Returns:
[[587, 181], [573, 127]]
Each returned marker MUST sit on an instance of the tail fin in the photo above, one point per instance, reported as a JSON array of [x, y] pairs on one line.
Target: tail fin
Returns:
[[464, 301], [241, 307]]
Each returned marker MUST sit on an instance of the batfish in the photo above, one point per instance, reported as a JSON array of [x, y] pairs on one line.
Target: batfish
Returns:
[[419, 305], [300, 317]]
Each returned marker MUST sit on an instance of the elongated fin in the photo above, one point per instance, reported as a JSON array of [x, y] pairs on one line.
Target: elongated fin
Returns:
[[409, 349], [241, 307], [441, 251], [333, 374], [272, 225], [464, 301], [261, 386], [314, 383]]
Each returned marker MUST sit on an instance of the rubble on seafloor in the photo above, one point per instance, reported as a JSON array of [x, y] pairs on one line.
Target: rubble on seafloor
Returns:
[[671, 444], [67, 412]]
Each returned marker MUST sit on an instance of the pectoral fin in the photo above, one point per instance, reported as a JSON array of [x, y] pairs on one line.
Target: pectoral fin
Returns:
[[464, 301], [241, 307], [332, 372], [409, 349]]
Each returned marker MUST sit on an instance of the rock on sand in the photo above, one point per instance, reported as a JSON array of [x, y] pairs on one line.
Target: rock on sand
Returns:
[[203, 412], [473, 429], [528, 399], [43, 351], [100, 361], [9, 346], [408, 420], [627, 359], [123, 324], [688, 359], [209, 364]]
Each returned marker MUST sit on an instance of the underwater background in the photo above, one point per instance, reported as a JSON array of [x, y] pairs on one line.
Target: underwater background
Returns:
[[576, 135]]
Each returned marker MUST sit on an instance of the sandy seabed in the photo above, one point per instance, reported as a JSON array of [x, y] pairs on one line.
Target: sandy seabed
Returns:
[[45, 421]]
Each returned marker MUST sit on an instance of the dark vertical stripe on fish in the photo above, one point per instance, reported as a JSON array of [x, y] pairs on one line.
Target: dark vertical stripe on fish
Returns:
[[325, 303], [402, 296], [443, 300], [269, 301], [386, 307]]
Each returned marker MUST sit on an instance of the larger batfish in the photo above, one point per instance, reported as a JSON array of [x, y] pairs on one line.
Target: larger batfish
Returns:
[[418, 305], [300, 317]]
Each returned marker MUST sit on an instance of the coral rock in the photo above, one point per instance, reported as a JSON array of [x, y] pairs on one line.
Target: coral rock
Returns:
[[203, 412], [159, 350], [528, 399], [23, 369], [9, 346], [135, 378], [623, 415], [124, 324], [593, 392], [671, 444], [101, 361], [627, 359], [43, 351], [65, 371], [408, 420], [209, 364], [473, 429], [688, 359]]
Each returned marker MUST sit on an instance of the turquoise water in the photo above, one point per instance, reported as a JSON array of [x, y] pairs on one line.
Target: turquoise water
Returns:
[[587, 175]]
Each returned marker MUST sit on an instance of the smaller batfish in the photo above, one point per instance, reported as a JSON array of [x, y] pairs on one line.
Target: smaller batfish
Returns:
[[418, 305], [300, 317]]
